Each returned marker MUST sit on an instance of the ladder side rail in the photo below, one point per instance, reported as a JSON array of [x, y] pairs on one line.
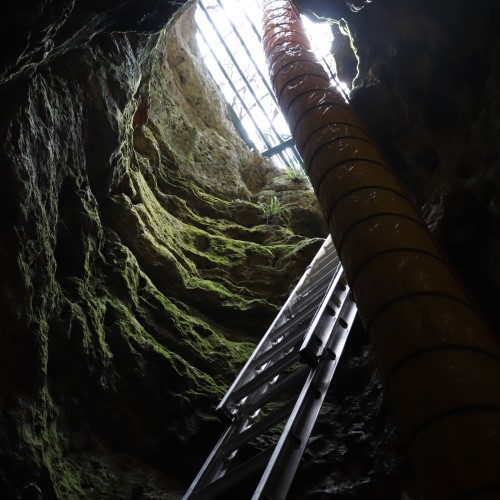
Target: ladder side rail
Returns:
[[211, 476], [316, 279], [299, 375], [289, 342], [296, 321], [317, 287], [337, 292], [258, 428], [267, 375], [333, 261], [274, 361], [278, 475], [213, 468], [219, 461], [265, 341], [325, 255], [233, 477]]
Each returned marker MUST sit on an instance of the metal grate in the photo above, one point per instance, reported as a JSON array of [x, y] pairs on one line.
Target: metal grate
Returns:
[[230, 44]]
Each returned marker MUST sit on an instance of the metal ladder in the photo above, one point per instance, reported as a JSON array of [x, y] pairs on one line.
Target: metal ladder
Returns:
[[297, 355]]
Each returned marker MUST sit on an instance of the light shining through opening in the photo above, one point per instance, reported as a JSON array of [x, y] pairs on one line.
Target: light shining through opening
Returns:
[[229, 41]]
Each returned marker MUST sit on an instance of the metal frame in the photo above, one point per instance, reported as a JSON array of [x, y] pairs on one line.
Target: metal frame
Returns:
[[299, 352], [278, 146]]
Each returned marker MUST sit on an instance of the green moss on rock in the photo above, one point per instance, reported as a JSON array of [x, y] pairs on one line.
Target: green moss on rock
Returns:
[[139, 268]]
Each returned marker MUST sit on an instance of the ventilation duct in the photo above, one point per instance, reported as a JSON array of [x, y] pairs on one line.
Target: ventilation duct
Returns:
[[439, 359]]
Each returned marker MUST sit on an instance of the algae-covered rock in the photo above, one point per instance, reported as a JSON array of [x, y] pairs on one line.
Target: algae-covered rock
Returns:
[[138, 267]]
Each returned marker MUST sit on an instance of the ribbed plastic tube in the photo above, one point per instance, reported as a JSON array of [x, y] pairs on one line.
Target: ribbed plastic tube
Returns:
[[438, 357]]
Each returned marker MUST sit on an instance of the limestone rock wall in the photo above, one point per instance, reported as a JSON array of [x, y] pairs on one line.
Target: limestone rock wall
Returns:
[[139, 260]]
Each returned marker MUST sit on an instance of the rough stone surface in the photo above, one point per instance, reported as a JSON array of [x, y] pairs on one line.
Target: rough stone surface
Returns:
[[140, 262]]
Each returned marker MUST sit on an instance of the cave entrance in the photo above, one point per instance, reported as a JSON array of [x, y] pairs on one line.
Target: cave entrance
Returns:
[[229, 40]]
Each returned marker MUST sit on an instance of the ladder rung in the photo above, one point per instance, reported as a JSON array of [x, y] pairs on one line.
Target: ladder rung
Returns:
[[313, 286], [312, 299], [328, 255], [258, 428], [216, 464], [320, 328], [324, 253], [266, 375], [260, 400], [233, 477], [314, 291], [298, 320], [277, 388], [288, 342], [318, 278], [325, 267], [298, 354], [247, 376], [247, 371], [293, 327], [288, 452]]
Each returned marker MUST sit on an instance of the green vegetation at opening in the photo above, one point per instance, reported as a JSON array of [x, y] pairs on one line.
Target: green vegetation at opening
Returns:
[[275, 212]]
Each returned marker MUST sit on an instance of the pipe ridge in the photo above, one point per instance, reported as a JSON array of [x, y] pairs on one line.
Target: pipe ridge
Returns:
[[333, 124], [316, 106], [474, 492], [450, 413], [411, 295], [372, 216], [289, 64], [319, 81], [441, 295], [270, 61], [432, 349], [281, 32], [361, 188], [302, 75], [339, 138], [266, 10], [275, 25], [297, 52], [336, 165], [302, 94], [392, 250]]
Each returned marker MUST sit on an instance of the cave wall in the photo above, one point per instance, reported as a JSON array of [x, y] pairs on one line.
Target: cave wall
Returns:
[[425, 79], [139, 260]]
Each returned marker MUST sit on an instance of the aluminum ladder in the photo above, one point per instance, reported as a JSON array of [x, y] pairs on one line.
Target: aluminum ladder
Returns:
[[297, 355]]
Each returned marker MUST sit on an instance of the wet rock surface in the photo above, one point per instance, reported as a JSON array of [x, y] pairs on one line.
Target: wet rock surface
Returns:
[[139, 263]]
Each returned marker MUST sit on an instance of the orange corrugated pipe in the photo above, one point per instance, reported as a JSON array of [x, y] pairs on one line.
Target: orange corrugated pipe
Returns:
[[438, 357]]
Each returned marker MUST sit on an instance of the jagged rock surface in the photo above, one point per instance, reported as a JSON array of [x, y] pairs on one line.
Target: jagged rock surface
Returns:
[[139, 264]]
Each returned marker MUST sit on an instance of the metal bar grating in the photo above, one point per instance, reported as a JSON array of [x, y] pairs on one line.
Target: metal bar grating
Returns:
[[230, 44]]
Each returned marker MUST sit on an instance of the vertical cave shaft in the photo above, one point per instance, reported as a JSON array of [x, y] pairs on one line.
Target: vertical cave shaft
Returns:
[[439, 359]]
